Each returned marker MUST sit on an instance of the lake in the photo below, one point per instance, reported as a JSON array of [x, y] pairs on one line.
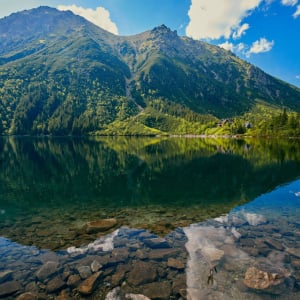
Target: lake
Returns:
[[149, 218]]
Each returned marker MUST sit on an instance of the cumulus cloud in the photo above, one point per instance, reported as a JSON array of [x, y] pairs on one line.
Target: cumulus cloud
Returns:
[[289, 2], [240, 47], [261, 45], [297, 13], [241, 30], [100, 16], [212, 19], [227, 46]]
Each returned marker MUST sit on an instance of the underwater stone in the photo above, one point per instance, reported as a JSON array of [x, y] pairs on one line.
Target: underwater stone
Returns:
[[73, 280], [84, 271], [157, 290], [27, 296], [142, 272], [293, 251], [9, 288], [175, 264], [47, 270], [157, 243], [261, 280], [55, 285], [99, 225], [4, 275], [88, 286]]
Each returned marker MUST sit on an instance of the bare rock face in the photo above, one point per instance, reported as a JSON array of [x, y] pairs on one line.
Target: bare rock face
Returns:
[[99, 225], [262, 280]]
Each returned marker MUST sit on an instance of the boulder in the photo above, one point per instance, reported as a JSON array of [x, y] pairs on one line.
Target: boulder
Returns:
[[99, 225]]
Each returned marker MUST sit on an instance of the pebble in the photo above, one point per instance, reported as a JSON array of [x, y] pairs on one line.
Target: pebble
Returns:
[[99, 225]]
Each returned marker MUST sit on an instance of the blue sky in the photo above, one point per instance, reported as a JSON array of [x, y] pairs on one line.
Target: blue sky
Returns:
[[265, 33]]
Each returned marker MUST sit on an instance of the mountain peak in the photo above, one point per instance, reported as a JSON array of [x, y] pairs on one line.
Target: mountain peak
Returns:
[[163, 30]]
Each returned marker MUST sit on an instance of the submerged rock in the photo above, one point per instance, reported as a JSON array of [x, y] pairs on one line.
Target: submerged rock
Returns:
[[55, 285], [99, 225], [294, 252], [175, 264], [28, 296], [9, 288], [157, 290], [142, 272], [84, 271], [156, 243], [118, 294], [5, 275], [262, 280], [89, 285], [47, 270]]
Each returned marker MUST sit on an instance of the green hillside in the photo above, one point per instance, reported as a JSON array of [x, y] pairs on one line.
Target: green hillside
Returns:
[[61, 75]]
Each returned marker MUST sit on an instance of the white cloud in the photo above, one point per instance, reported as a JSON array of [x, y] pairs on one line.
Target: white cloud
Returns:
[[298, 77], [100, 16], [241, 30], [212, 19], [262, 45], [297, 13], [240, 47], [289, 2], [227, 46]]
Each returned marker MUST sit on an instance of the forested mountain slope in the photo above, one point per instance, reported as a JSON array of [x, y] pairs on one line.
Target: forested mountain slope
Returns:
[[60, 75]]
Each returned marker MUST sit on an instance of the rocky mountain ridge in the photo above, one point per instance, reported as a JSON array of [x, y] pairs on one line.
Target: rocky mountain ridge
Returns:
[[60, 74]]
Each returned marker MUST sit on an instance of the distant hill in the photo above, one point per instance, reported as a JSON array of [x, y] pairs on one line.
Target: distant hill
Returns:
[[61, 75]]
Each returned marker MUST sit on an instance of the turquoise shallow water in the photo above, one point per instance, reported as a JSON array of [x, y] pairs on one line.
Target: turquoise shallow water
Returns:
[[194, 218]]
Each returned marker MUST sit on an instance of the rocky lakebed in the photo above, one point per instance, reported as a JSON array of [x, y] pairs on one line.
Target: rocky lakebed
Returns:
[[241, 255]]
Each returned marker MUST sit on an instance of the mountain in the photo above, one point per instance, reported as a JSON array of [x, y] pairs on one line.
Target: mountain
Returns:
[[60, 75]]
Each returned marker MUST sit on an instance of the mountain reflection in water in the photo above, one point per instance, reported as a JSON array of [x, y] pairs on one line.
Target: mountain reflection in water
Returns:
[[51, 187]]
